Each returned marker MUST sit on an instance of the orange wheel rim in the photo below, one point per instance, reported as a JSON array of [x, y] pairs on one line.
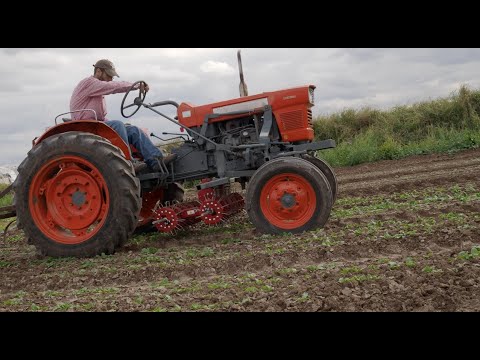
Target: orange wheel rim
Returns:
[[69, 200], [288, 201]]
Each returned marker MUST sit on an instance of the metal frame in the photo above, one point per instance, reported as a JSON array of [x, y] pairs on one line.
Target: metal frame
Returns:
[[243, 152], [76, 111]]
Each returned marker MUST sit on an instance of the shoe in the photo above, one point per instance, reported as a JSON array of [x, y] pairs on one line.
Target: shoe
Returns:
[[168, 159], [138, 166], [156, 166]]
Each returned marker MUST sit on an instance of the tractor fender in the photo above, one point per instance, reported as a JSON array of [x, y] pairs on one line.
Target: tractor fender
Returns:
[[89, 126]]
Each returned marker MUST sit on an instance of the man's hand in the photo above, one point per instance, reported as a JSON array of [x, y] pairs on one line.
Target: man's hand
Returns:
[[144, 87]]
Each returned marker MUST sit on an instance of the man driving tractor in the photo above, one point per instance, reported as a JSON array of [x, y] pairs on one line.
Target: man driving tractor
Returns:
[[89, 94]]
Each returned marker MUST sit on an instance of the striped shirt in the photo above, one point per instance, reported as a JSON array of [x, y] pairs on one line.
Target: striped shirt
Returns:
[[90, 94]]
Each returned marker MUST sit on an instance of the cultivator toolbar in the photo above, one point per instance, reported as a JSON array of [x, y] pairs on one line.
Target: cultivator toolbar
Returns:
[[214, 206], [217, 210], [7, 211], [180, 216]]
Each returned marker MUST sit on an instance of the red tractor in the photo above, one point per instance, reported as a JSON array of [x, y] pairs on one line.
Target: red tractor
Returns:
[[77, 193]]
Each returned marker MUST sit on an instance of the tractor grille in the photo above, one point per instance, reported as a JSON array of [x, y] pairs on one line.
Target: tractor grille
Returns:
[[310, 119], [292, 120]]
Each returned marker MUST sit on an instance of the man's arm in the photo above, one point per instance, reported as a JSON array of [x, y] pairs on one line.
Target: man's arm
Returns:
[[98, 87]]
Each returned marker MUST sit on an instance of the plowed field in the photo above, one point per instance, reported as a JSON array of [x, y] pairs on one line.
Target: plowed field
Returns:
[[403, 236]]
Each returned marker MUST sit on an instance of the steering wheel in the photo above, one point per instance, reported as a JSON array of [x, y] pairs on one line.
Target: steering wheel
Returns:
[[138, 100]]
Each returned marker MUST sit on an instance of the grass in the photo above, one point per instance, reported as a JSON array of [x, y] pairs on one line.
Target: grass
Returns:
[[444, 125], [7, 199], [469, 255]]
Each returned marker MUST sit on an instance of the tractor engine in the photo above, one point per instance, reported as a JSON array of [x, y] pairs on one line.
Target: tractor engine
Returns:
[[237, 132], [234, 137]]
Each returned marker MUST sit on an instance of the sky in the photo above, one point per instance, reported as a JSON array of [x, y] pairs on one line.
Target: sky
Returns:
[[36, 83]]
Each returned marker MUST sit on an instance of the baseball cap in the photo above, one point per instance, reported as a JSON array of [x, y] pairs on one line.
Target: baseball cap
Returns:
[[108, 66]]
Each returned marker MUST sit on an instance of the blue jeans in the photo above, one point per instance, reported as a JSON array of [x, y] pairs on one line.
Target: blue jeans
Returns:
[[133, 135]]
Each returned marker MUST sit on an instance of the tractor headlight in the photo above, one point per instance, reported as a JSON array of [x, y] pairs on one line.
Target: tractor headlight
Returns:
[[311, 95]]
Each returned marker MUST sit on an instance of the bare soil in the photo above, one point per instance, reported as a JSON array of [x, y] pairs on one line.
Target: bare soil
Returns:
[[404, 236]]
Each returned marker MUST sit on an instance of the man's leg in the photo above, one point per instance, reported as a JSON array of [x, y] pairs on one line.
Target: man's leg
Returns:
[[121, 130], [143, 144]]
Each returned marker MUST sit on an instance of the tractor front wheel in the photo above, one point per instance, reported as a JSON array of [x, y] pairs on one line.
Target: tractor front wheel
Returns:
[[76, 196], [327, 171], [288, 195]]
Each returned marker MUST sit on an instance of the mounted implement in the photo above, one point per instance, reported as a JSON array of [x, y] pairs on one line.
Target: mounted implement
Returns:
[[7, 211], [77, 193]]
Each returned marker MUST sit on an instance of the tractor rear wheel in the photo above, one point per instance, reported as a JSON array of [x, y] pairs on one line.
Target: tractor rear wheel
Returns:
[[327, 171], [76, 196], [288, 195]]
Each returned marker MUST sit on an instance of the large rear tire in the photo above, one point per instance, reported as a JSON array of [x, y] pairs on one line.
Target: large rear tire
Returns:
[[76, 196], [327, 171], [288, 195]]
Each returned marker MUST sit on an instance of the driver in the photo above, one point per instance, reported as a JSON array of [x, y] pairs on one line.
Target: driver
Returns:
[[90, 94]]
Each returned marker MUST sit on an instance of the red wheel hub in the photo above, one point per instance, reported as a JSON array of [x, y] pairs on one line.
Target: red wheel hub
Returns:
[[69, 200], [288, 201], [212, 212], [166, 220]]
